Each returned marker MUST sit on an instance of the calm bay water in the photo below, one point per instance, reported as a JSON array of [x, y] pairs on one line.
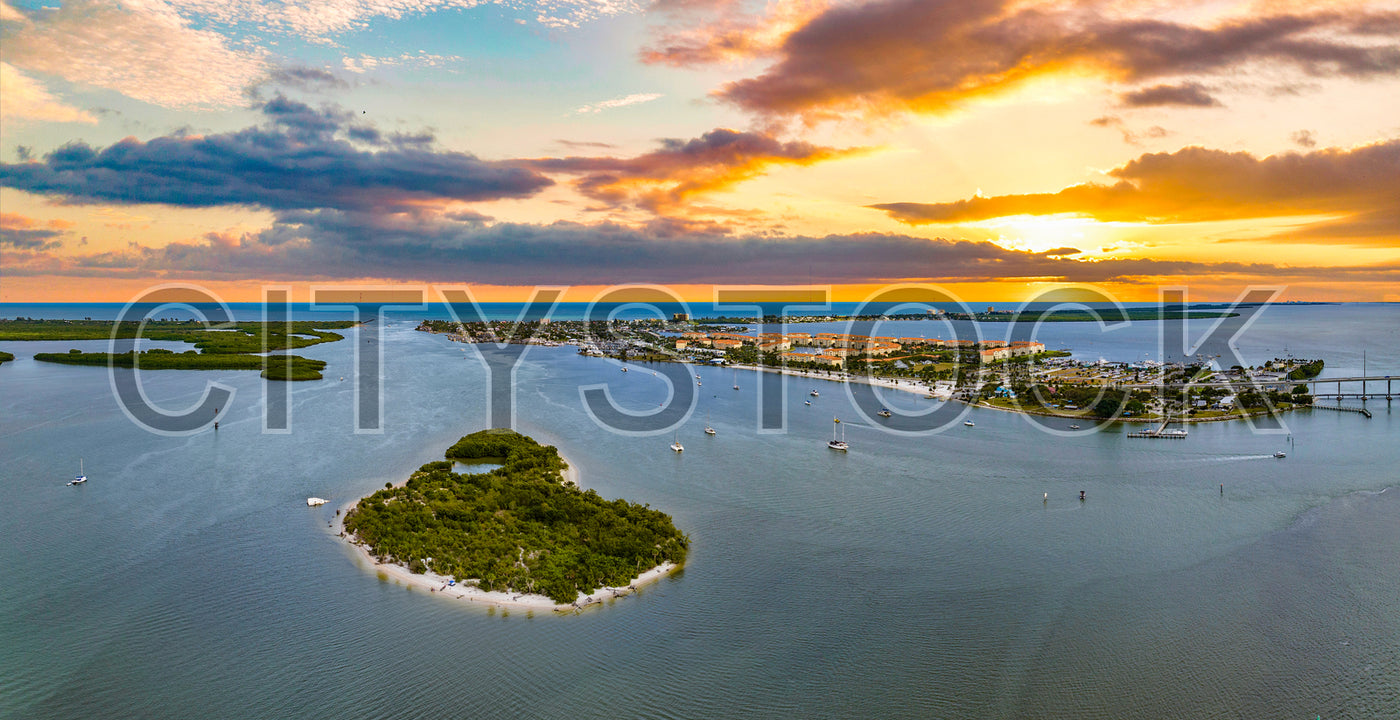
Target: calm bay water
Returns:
[[912, 577]]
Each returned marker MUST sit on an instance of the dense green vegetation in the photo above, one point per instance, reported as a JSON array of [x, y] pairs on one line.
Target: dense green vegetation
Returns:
[[516, 528], [1306, 371], [273, 368], [245, 337], [222, 347], [4, 356]]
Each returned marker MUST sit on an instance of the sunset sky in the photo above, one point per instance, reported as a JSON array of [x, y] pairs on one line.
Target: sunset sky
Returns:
[[993, 147]]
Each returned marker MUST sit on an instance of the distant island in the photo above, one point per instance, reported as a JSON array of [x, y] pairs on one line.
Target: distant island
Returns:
[[992, 315], [229, 346], [1021, 376], [5, 357], [516, 533]]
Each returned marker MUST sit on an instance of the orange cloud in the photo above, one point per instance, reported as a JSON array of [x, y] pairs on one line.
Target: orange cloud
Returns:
[[928, 57], [726, 33], [665, 179], [26, 99], [1360, 187]]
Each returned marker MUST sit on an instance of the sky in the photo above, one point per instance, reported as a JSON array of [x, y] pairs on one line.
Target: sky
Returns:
[[995, 148]]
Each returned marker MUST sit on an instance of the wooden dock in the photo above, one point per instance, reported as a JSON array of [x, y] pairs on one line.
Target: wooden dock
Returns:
[[1339, 408]]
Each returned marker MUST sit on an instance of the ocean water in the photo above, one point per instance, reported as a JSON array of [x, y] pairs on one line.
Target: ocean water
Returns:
[[912, 577]]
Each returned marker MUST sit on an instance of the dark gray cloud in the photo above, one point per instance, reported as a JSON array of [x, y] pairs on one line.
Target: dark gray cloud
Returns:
[[30, 239], [1185, 95], [329, 244], [22, 233], [306, 78], [298, 159]]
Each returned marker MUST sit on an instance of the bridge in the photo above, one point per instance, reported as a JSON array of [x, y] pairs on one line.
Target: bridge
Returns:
[[1337, 387]]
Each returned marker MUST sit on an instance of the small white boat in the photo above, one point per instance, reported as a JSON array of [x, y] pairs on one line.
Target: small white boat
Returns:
[[709, 430], [1280, 454], [1073, 427], [81, 477], [624, 369], [314, 501], [814, 393], [884, 412], [809, 402], [676, 444], [969, 423], [698, 383]]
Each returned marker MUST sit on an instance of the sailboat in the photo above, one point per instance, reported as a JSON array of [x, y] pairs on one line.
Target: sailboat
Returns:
[[676, 444], [81, 477], [838, 444], [709, 430], [736, 379]]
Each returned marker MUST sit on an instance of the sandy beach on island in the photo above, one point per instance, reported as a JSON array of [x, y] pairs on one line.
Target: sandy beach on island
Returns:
[[901, 384], [444, 587]]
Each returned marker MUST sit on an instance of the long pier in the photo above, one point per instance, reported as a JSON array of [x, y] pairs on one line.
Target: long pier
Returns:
[[1341, 408]]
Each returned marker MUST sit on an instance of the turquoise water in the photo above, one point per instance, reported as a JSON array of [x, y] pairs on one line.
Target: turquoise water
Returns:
[[912, 577]]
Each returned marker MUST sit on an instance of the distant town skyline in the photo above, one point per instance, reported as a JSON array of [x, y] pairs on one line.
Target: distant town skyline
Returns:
[[997, 148]]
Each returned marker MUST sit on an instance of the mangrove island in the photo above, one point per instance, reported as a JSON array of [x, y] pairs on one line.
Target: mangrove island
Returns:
[[519, 528]]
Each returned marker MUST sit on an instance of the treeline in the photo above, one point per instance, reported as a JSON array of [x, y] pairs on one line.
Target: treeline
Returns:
[[1306, 371], [516, 528], [274, 367], [246, 337], [229, 346], [5, 357]]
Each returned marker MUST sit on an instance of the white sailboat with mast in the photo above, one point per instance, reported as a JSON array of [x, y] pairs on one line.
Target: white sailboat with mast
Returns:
[[838, 445], [81, 477]]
